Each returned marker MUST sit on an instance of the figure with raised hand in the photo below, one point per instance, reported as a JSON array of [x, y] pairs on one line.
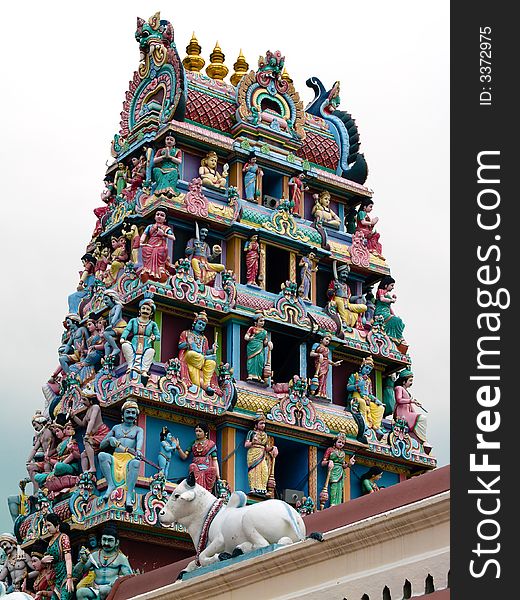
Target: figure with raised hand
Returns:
[[204, 454], [308, 267], [366, 224], [75, 347], [108, 564], [198, 360], [121, 452], [209, 174], [95, 429], [86, 281], [347, 307], [44, 448], [261, 456], [115, 322], [166, 163], [168, 444], [17, 564], [41, 578], [322, 363], [59, 554], [198, 251], [369, 480], [335, 460], [385, 297], [297, 189], [138, 338], [405, 406]]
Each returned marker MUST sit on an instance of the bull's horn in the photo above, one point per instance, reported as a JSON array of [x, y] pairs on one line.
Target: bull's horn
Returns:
[[190, 481]]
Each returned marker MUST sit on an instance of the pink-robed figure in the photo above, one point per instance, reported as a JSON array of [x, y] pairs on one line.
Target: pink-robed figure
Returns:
[[322, 364], [204, 462], [252, 249], [404, 406], [154, 245], [366, 224], [297, 187]]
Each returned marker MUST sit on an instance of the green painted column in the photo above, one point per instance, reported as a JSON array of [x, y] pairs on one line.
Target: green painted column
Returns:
[[379, 385], [157, 345]]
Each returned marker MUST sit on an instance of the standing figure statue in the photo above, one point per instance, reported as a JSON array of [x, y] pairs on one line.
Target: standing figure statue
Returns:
[[108, 564], [165, 172], [335, 461], [115, 322], [154, 248], [361, 400], [198, 360], [322, 363], [204, 452], [137, 340], [404, 407], [252, 179], [83, 555], [366, 225], [308, 267], [75, 347], [121, 454], [209, 174], [261, 456], [252, 250], [257, 343], [44, 448], [369, 480], [297, 188], [198, 251], [394, 326], [86, 281], [95, 431], [136, 178], [41, 578], [118, 258], [17, 564], [131, 232], [121, 177], [60, 557], [168, 445], [341, 297]]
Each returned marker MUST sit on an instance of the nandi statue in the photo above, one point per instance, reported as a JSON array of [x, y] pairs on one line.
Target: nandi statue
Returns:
[[221, 530]]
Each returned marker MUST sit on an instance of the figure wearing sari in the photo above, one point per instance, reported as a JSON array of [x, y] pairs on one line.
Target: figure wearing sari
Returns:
[[156, 262], [204, 453], [166, 173], [337, 474], [394, 325], [258, 461], [252, 249], [252, 174], [255, 350], [372, 237], [58, 549], [404, 409]]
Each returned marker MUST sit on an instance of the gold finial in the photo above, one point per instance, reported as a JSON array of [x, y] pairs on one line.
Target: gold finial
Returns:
[[241, 67], [286, 76], [194, 61], [217, 69]]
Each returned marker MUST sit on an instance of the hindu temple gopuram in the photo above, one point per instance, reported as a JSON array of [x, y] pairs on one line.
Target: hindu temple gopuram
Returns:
[[234, 320]]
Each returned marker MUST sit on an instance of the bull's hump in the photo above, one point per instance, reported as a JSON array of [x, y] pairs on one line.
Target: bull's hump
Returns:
[[237, 500]]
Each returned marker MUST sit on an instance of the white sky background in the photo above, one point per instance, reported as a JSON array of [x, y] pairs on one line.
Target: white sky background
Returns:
[[64, 72]]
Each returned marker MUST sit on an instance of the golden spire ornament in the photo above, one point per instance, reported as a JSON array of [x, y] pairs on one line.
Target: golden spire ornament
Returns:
[[217, 69], [286, 76], [241, 67], [194, 61]]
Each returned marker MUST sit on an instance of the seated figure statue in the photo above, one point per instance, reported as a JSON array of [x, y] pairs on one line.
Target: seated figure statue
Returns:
[[362, 402], [108, 563], [125, 441], [198, 251], [198, 360], [209, 174], [341, 297]]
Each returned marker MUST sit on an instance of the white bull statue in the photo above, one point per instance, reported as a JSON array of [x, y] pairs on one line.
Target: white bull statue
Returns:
[[232, 529]]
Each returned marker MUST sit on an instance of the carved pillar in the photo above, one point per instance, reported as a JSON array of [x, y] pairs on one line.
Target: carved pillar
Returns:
[[379, 384], [141, 422], [346, 482], [236, 179], [341, 215], [292, 266], [233, 256], [261, 271], [313, 287], [285, 186], [157, 343], [228, 446], [303, 360], [313, 474], [233, 342]]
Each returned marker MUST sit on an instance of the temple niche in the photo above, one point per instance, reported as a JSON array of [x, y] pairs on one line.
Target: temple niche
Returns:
[[234, 316]]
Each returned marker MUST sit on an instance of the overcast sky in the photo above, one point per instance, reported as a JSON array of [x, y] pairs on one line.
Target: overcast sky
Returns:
[[65, 70]]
